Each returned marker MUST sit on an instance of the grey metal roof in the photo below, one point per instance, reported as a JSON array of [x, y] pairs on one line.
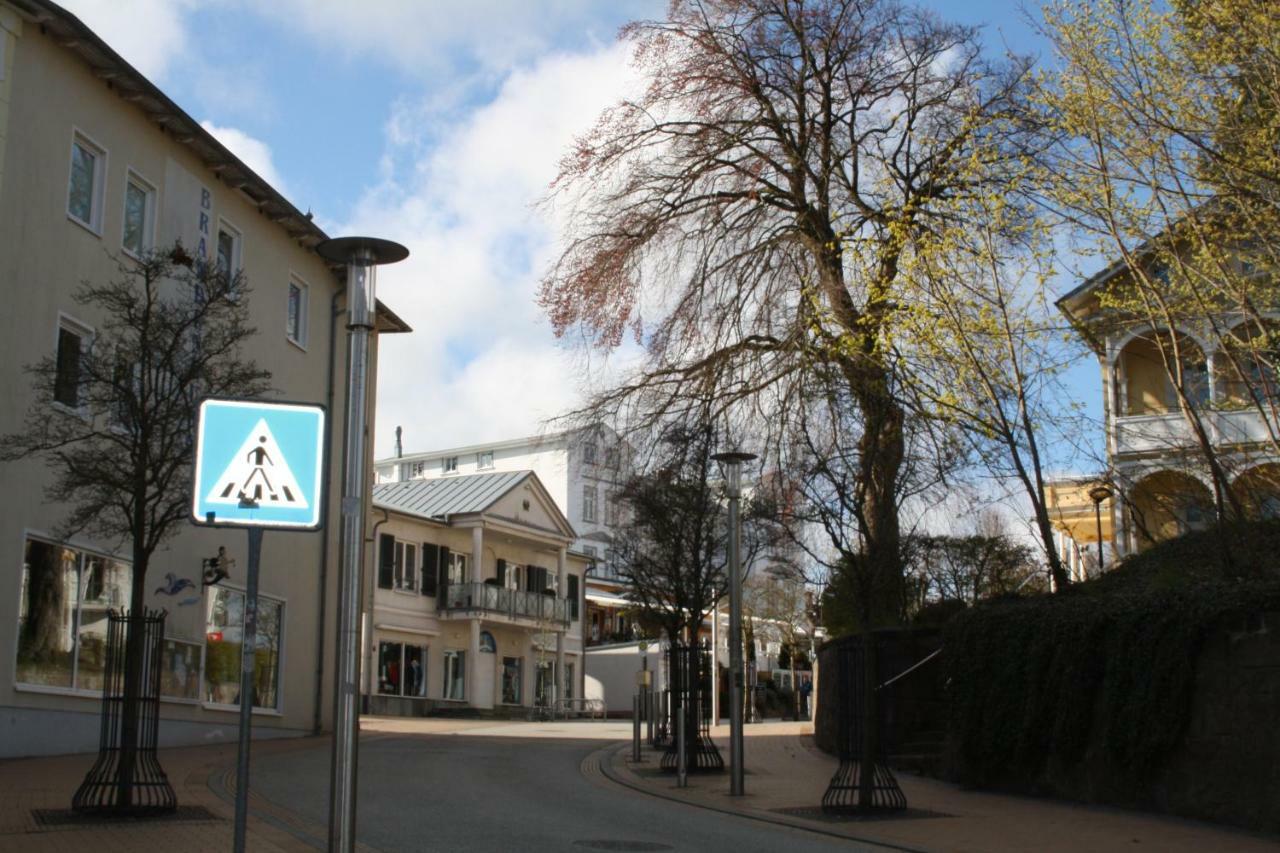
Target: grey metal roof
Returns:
[[462, 494]]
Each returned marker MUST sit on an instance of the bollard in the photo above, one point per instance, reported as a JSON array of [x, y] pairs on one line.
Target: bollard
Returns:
[[682, 767], [650, 713], [635, 729]]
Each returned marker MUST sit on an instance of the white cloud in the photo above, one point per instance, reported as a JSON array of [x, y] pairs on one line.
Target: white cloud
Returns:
[[147, 33], [482, 362], [255, 153], [426, 38]]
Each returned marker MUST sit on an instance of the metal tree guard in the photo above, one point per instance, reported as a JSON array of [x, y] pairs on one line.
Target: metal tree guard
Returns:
[[106, 790], [841, 796], [689, 668]]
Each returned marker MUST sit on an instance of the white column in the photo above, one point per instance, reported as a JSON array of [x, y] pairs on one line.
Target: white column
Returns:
[[562, 586], [477, 554], [473, 664], [715, 664]]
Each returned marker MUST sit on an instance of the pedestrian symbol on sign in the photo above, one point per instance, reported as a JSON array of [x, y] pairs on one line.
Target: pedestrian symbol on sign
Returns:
[[258, 473]]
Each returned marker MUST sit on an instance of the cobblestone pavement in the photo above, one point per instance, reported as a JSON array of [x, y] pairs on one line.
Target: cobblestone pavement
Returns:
[[786, 776]]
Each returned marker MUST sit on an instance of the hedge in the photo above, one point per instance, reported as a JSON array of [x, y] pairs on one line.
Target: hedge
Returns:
[[1054, 693]]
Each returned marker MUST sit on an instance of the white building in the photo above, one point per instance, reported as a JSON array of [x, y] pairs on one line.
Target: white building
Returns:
[[580, 469], [477, 600]]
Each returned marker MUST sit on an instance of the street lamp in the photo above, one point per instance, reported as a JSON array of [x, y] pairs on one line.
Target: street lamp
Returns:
[[361, 255], [731, 466], [1098, 494]]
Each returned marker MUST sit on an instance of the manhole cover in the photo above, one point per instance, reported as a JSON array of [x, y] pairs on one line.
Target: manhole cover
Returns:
[[610, 844], [68, 817]]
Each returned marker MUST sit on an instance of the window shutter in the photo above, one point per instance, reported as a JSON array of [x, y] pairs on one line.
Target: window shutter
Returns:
[[386, 559], [444, 566], [430, 568], [572, 595], [502, 572]]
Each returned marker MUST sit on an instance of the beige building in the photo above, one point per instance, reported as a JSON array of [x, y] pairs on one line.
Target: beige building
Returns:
[[1156, 468], [96, 163], [477, 601]]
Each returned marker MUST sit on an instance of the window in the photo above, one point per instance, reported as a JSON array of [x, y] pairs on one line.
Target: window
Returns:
[[224, 634], [402, 670], [589, 550], [610, 509], [572, 595], [589, 504], [139, 215], [589, 453], [406, 566], [509, 575], [180, 670], [296, 324], [511, 680], [417, 469], [456, 565], [228, 249], [455, 674], [62, 614], [543, 679], [450, 464], [84, 193], [611, 458], [72, 344], [484, 459]]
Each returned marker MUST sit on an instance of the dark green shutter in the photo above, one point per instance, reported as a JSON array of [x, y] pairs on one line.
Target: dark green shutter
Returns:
[[502, 573], [444, 566], [430, 567], [572, 595], [386, 559]]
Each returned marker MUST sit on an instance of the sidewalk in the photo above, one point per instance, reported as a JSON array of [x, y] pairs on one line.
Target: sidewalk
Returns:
[[204, 779], [786, 776]]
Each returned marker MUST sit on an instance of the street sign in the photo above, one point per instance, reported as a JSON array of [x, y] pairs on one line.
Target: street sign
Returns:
[[259, 464]]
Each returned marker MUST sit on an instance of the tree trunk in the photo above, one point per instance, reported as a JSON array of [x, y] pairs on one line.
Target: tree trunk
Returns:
[[870, 722], [133, 683]]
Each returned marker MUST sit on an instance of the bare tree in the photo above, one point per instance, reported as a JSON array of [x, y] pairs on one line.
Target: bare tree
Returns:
[[758, 213], [115, 422]]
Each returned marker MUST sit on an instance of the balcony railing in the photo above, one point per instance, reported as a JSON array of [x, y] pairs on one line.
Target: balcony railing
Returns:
[[1157, 432], [515, 603]]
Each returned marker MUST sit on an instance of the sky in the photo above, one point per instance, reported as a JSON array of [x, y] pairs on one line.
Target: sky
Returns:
[[439, 125]]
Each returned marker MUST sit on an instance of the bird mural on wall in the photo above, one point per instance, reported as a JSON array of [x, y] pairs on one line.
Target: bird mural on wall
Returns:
[[174, 585]]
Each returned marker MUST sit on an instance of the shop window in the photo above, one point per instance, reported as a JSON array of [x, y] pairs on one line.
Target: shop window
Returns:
[[62, 614], [224, 633], [455, 674], [511, 680], [180, 670], [402, 669]]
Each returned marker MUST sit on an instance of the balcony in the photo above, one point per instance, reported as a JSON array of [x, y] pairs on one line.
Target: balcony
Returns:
[[484, 599], [1154, 433]]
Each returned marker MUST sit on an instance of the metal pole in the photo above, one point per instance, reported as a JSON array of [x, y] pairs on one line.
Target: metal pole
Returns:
[[1097, 512], [635, 728], [682, 765], [361, 255], [736, 777], [248, 645]]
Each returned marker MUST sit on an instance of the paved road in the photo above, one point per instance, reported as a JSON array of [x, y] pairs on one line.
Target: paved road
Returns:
[[457, 794]]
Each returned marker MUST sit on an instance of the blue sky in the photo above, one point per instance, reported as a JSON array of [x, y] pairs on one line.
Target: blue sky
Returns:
[[439, 125]]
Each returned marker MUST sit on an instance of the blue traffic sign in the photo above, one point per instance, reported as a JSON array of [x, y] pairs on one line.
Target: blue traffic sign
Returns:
[[259, 464]]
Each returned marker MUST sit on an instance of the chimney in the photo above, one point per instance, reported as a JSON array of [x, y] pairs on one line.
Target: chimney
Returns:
[[399, 446]]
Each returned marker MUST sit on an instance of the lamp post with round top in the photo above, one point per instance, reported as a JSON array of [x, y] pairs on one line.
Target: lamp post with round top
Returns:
[[1098, 494]]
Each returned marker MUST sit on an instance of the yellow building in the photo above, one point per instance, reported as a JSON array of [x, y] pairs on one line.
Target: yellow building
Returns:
[[1156, 468], [97, 163]]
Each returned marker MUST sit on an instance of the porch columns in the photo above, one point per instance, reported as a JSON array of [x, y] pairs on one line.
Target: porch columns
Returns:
[[562, 586], [477, 554]]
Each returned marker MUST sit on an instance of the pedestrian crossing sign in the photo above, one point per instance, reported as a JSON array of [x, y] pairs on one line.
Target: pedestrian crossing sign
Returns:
[[258, 464]]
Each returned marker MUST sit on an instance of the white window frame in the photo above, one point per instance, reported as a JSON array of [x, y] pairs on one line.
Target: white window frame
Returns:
[[86, 333], [304, 291], [417, 469], [449, 464], [404, 572], [134, 177], [484, 460], [404, 649], [589, 489], [79, 137]]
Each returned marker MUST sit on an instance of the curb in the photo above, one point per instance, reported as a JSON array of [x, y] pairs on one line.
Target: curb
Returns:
[[604, 760]]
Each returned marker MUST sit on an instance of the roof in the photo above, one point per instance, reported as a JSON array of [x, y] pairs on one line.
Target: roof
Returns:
[[543, 440], [466, 494], [129, 83]]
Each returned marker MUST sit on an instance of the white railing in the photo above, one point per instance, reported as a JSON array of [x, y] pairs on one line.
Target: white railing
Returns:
[[1168, 431]]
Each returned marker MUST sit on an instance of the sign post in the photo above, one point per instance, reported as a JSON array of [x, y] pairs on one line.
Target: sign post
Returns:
[[258, 466]]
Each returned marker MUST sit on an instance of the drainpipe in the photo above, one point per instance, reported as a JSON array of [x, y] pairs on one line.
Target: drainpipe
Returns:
[[324, 538], [367, 620]]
